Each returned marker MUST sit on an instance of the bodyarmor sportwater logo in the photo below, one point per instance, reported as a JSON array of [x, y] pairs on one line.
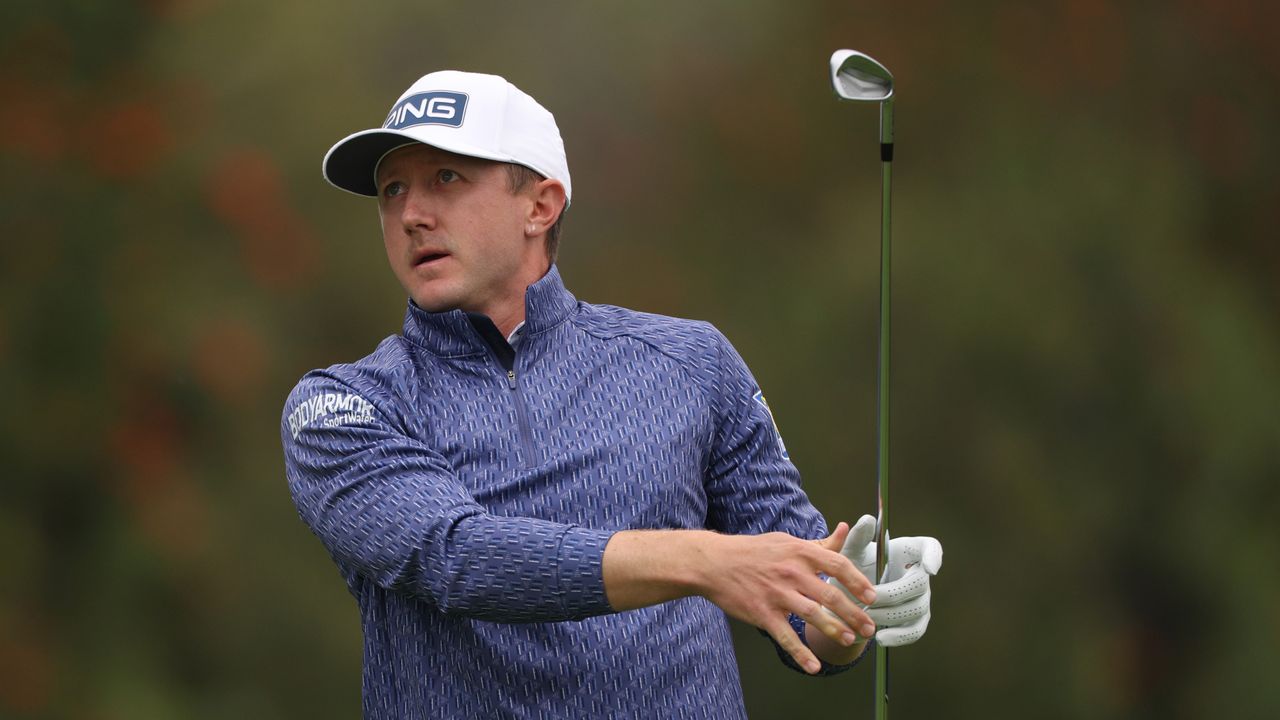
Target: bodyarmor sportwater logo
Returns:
[[438, 107], [330, 410], [759, 397]]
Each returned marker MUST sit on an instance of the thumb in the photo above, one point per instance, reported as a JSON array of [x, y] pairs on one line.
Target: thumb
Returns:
[[835, 540]]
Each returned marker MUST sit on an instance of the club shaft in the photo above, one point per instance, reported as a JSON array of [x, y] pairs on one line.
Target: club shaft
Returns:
[[882, 389]]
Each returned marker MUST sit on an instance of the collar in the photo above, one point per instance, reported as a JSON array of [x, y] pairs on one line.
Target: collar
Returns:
[[546, 304], [515, 333]]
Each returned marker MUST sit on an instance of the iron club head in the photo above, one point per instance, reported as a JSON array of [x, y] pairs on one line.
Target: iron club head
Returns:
[[857, 76]]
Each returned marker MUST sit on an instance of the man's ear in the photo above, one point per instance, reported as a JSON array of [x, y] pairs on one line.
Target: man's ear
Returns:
[[548, 203]]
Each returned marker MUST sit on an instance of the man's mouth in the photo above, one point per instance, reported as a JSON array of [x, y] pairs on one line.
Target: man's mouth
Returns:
[[428, 258]]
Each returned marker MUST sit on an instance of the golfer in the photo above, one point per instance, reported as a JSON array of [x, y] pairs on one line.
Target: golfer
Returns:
[[547, 508]]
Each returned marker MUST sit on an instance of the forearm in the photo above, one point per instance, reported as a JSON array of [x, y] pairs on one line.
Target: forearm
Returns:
[[647, 567]]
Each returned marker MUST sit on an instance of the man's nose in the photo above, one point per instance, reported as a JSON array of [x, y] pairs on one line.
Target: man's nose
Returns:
[[419, 211]]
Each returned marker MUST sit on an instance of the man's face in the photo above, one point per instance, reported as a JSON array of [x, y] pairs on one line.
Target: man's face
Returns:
[[454, 233]]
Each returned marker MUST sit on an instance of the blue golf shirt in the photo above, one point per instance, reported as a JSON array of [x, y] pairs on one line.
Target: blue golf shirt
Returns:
[[466, 492]]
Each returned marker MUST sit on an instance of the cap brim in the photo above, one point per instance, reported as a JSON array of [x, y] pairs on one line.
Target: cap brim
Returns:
[[351, 163]]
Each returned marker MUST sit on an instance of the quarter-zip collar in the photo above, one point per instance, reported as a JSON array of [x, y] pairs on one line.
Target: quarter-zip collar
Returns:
[[547, 303]]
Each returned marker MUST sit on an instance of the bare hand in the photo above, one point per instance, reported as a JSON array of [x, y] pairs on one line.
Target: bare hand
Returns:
[[760, 579]]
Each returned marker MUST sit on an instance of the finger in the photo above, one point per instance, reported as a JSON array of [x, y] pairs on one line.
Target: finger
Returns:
[[931, 555], [840, 567], [813, 612], [855, 585], [851, 612], [785, 635], [863, 532], [901, 615], [905, 635], [925, 551], [835, 540], [913, 584]]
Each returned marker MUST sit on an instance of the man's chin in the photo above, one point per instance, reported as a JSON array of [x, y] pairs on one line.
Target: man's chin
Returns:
[[434, 305], [435, 301]]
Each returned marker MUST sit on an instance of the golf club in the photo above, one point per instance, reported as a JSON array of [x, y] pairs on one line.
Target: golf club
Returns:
[[858, 77]]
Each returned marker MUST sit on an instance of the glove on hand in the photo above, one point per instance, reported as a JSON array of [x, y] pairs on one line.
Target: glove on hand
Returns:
[[901, 610]]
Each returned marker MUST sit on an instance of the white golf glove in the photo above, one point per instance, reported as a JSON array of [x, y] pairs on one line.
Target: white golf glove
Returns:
[[901, 610]]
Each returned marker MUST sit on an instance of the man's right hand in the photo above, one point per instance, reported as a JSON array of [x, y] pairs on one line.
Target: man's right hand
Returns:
[[759, 579]]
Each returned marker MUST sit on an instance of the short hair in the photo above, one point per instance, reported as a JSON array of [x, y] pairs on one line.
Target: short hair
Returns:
[[519, 178]]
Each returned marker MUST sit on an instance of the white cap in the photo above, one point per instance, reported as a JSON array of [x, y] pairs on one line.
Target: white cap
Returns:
[[466, 113]]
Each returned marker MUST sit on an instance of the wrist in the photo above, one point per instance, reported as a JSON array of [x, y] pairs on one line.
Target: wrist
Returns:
[[830, 651], [692, 562]]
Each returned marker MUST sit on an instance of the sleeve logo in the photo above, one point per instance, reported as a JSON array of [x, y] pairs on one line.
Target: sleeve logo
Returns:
[[330, 410], [759, 397]]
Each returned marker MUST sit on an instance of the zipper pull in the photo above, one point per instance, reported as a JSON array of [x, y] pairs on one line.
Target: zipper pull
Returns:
[[511, 379]]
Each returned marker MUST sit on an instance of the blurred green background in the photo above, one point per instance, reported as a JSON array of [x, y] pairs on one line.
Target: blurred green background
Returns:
[[1087, 307]]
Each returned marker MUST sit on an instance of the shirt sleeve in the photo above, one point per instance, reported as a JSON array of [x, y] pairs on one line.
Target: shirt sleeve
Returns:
[[390, 509], [752, 485]]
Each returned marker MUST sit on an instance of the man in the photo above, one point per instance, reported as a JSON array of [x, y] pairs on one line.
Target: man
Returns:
[[547, 508]]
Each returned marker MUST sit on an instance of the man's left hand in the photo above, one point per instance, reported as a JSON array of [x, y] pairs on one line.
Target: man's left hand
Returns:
[[902, 608]]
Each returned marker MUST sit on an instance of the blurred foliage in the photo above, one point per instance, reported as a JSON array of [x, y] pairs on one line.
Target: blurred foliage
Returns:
[[1086, 368]]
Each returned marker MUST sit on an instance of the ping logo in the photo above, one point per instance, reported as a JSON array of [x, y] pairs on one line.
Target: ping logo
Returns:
[[439, 107], [759, 397]]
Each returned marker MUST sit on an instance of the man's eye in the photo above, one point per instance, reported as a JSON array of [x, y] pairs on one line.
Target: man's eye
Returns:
[[393, 188], [447, 176]]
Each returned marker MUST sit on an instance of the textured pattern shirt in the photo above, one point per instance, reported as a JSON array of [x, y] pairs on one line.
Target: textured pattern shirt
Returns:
[[468, 507]]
